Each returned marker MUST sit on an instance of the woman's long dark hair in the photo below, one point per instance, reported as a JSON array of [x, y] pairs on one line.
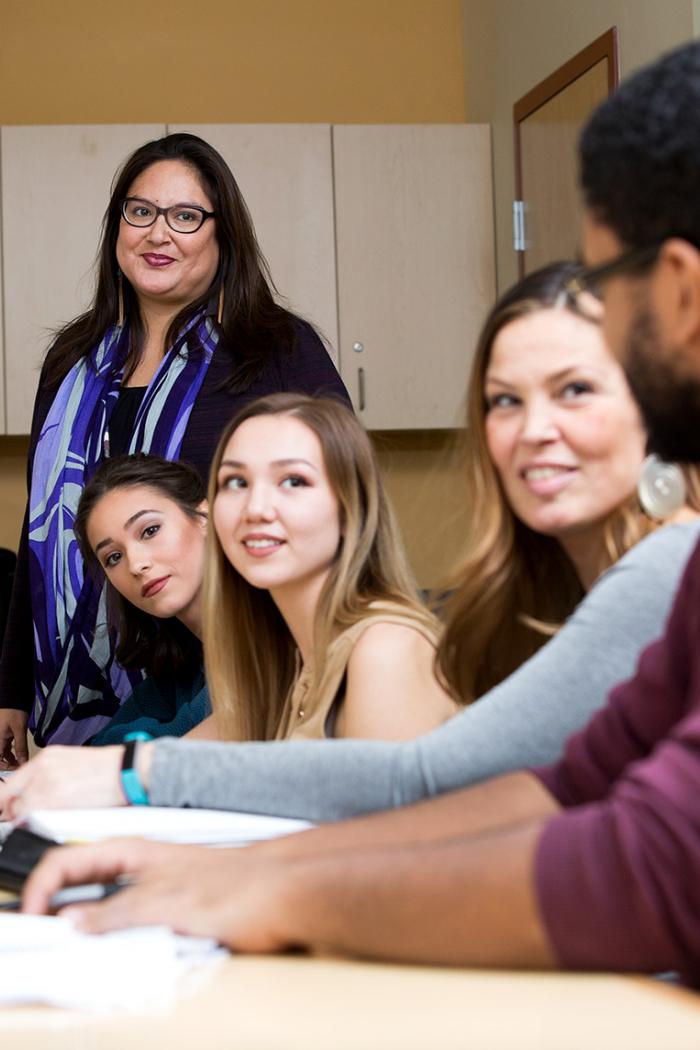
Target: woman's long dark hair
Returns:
[[160, 647], [252, 322]]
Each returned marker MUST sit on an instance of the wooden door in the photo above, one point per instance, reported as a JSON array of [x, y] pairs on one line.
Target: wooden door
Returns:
[[548, 121], [55, 189], [285, 175], [414, 228]]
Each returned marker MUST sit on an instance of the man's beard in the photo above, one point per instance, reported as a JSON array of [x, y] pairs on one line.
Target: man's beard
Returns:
[[669, 399]]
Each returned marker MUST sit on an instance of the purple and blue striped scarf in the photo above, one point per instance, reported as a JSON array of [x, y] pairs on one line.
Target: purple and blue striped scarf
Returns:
[[78, 683]]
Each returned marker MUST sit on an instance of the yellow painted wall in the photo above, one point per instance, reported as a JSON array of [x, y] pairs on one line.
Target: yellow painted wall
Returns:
[[337, 61], [94, 61]]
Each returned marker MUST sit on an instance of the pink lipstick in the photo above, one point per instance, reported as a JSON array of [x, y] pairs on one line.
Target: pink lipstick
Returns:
[[157, 260]]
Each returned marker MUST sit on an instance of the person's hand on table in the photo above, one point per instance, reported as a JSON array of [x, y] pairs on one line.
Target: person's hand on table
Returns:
[[65, 777], [230, 895], [13, 738]]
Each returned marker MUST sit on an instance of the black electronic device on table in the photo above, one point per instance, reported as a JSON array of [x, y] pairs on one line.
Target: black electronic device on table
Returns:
[[20, 853]]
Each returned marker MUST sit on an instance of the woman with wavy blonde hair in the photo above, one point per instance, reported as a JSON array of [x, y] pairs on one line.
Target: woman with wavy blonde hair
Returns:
[[523, 576], [312, 622]]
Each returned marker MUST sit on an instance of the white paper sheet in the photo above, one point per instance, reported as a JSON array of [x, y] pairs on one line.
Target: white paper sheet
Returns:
[[44, 960], [206, 827]]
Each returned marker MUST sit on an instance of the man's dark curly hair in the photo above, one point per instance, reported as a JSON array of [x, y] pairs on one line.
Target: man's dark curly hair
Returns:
[[640, 153]]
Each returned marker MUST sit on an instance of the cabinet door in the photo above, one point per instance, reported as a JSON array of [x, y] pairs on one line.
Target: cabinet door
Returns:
[[285, 175], [55, 188], [415, 257]]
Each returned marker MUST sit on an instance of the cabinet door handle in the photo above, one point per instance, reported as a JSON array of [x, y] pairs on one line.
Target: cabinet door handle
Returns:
[[361, 388]]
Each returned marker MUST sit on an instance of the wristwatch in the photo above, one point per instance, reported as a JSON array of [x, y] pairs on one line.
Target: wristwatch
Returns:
[[131, 781]]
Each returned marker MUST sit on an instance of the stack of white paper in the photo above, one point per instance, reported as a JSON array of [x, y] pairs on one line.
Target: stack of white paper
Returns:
[[204, 827], [44, 960]]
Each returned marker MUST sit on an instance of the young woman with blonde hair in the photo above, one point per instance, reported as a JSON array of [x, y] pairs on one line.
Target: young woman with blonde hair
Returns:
[[555, 452], [312, 622]]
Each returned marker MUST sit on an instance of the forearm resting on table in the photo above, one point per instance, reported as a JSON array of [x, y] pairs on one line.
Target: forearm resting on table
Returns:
[[511, 799], [467, 902]]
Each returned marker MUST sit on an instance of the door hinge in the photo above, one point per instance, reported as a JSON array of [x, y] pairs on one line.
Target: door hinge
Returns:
[[519, 244]]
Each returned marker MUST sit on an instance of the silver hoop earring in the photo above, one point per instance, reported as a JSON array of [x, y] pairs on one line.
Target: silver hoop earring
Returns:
[[661, 488]]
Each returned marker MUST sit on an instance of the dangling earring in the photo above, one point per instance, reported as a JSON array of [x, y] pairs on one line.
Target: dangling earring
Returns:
[[120, 300], [220, 309], [661, 488]]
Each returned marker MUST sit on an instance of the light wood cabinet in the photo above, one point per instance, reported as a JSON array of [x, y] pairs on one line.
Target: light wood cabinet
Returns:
[[55, 187], [285, 174], [414, 229]]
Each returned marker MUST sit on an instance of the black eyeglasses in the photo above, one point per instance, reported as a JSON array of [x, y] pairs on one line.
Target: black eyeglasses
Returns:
[[182, 218], [590, 278]]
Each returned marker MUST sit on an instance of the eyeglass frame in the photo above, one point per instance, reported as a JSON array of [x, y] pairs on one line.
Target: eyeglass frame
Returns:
[[164, 212], [589, 278]]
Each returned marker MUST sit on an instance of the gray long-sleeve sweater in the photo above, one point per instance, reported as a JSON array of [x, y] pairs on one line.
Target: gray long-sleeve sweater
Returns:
[[523, 722]]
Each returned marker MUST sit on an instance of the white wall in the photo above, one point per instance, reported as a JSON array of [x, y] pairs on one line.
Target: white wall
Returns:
[[511, 45]]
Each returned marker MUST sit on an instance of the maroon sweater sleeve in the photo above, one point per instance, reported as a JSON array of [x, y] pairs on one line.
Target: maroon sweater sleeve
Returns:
[[618, 876]]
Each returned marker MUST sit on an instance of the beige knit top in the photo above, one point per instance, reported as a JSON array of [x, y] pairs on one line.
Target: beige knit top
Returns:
[[305, 716]]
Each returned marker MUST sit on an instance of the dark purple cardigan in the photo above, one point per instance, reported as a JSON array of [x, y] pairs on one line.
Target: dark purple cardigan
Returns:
[[308, 369]]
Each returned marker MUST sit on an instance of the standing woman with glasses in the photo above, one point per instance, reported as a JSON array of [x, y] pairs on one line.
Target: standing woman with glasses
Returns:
[[182, 331]]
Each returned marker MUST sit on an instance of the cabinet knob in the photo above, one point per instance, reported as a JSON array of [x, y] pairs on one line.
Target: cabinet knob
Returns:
[[358, 347]]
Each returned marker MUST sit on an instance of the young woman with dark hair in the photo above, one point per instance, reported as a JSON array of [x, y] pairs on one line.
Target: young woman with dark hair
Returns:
[[141, 525]]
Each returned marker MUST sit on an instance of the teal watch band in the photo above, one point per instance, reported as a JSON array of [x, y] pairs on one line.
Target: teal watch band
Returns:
[[131, 781]]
